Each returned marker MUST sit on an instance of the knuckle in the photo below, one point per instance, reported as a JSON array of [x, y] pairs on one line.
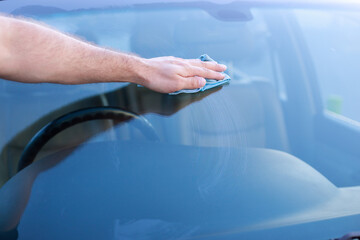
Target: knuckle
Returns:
[[183, 64], [199, 82], [187, 67], [207, 72], [195, 62], [195, 82], [212, 65], [179, 62]]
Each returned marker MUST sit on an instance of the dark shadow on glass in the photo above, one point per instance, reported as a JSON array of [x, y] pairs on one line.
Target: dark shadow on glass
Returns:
[[77, 117], [15, 193], [132, 98]]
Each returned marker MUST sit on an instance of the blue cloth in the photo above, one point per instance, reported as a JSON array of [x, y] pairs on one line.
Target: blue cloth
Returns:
[[210, 83]]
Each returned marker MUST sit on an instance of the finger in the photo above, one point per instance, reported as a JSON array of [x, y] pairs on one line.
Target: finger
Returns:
[[194, 82], [209, 65], [204, 73]]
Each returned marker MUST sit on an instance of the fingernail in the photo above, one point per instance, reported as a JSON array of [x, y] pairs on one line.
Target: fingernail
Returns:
[[202, 82], [223, 66]]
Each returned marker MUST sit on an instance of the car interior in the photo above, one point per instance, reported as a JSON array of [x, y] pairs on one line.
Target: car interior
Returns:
[[271, 107], [255, 110]]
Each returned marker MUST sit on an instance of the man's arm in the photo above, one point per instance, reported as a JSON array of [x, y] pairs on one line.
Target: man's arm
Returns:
[[30, 52]]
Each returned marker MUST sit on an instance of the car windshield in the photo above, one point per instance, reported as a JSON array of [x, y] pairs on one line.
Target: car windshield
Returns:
[[267, 150]]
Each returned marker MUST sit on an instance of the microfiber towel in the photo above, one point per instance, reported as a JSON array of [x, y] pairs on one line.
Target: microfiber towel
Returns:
[[210, 83]]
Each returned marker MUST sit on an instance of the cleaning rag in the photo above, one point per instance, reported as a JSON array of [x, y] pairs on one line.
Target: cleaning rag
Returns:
[[210, 83]]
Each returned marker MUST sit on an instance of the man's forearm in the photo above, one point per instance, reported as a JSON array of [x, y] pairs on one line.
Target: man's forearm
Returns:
[[33, 53], [30, 52]]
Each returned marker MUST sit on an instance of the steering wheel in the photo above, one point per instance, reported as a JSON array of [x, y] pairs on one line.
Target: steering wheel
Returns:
[[79, 116]]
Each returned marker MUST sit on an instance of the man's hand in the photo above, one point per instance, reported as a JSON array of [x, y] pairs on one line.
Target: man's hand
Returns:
[[170, 74]]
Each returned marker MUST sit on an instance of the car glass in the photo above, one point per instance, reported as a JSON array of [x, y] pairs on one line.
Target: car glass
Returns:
[[257, 153], [336, 58], [186, 33]]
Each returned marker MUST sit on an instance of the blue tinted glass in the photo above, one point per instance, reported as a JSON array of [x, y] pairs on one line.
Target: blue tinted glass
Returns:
[[258, 157], [333, 39]]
